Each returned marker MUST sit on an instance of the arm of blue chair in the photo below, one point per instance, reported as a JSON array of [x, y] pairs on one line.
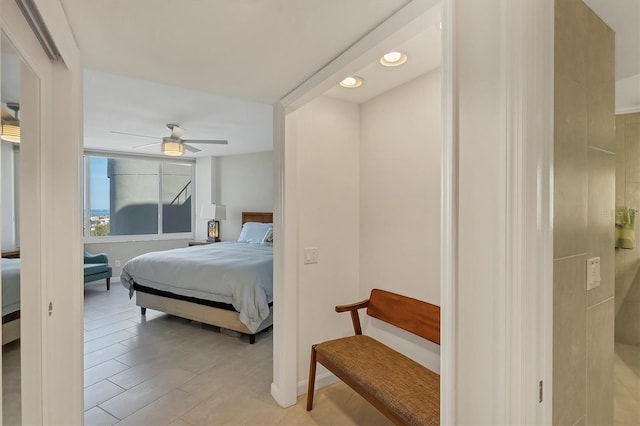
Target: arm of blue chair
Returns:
[[95, 258]]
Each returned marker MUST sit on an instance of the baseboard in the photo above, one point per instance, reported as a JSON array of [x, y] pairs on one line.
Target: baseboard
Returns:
[[277, 396], [322, 380], [628, 109]]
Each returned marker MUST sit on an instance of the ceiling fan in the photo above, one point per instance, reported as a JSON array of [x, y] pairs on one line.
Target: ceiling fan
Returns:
[[10, 130], [174, 145]]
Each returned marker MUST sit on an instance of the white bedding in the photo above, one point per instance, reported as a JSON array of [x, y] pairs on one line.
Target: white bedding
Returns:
[[10, 286], [240, 274]]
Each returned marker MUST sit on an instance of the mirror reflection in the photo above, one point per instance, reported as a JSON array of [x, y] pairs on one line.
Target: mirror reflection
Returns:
[[10, 232]]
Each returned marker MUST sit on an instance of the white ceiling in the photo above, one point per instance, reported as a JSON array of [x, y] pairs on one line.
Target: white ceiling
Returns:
[[214, 66], [125, 104], [257, 50], [623, 16], [423, 54]]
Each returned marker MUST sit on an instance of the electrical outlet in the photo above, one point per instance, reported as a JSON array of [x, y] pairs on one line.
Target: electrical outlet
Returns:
[[117, 263]]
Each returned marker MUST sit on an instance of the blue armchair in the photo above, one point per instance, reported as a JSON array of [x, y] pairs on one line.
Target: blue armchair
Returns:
[[96, 267]]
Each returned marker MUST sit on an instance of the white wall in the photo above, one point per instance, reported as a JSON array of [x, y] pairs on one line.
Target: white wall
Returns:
[[400, 139], [326, 135], [7, 191], [204, 193], [243, 183], [368, 188]]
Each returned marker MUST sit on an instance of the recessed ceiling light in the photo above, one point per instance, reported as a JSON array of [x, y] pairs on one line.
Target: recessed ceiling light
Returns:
[[393, 59], [351, 82]]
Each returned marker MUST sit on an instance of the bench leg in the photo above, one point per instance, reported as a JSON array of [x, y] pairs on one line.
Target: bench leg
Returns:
[[108, 283], [312, 378]]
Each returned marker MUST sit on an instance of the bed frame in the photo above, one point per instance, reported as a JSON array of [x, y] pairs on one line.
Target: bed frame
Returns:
[[11, 322], [225, 318], [10, 327]]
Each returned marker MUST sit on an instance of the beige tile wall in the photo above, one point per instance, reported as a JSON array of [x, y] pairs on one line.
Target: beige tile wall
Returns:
[[584, 204], [627, 289]]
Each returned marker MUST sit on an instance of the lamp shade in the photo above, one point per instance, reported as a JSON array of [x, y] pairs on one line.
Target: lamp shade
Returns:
[[213, 211], [219, 212]]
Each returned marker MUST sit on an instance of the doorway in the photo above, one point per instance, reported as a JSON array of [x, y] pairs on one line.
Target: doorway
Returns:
[[321, 149]]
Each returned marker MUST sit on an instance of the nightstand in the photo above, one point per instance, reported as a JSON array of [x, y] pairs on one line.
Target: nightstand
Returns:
[[199, 242]]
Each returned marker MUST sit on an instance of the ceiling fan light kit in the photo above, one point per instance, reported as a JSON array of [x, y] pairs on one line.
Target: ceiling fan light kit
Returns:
[[172, 148], [174, 145], [10, 133], [10, 130]]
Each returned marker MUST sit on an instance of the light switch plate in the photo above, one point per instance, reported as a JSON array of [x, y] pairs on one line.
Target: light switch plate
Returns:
[[593, 273], [310, 255]]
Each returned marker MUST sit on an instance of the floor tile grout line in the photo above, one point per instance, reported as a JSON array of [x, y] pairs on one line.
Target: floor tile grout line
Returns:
[[100, 322], [124, 389], [144, 406], [106, 378], [109, 334], [86, 353]]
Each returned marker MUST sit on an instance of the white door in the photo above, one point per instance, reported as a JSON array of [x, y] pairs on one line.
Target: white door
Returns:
[[50, 232]]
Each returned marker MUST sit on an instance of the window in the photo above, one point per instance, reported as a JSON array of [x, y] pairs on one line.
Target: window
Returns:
[[129, 196]]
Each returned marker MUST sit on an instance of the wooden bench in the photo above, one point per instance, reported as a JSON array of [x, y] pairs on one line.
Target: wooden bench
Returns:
[[400, 388]]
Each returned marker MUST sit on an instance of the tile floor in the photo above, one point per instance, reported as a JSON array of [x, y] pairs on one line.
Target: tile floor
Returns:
[[163, 370], [626, 372]]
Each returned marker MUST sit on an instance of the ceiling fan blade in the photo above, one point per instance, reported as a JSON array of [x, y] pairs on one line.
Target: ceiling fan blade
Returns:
[[176, 132], [133, 134], [216, 142], [190, 148], [146, 145]]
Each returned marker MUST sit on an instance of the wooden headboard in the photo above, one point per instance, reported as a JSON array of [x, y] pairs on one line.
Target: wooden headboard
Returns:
[[263, 217]]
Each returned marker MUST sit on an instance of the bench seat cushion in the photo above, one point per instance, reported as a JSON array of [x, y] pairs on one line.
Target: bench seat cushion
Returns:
[[395, 380]]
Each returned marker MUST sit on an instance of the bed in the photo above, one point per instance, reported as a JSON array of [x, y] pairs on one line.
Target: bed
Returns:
[[227, 284], [10, 300]]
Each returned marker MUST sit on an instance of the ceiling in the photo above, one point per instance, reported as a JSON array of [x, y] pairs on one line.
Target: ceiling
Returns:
[[214, 67], [256, 50], [623, 16], [423, 54], [218, 77], [124, 104]]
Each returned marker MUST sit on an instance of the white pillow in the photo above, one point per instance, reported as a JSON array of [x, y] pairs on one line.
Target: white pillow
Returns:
[[268, 238], [254, 232]]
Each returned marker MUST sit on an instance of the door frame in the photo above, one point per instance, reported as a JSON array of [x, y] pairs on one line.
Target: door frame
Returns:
[[51, 246]]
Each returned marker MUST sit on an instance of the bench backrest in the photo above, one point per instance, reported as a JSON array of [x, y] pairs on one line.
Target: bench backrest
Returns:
[[413, 315]]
